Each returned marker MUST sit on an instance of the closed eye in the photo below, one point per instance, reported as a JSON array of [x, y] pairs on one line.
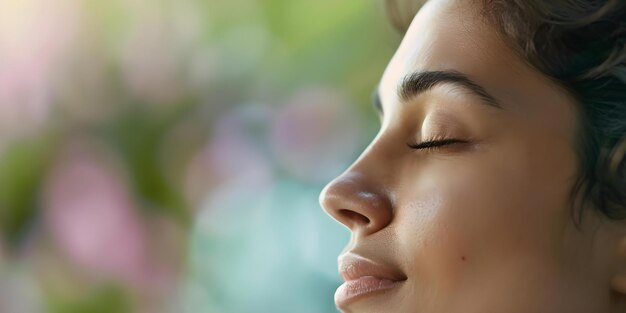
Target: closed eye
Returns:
[[434, 144]]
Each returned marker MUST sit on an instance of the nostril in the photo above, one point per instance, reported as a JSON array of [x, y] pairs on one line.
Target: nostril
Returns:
[[358, 202], [354, 216]]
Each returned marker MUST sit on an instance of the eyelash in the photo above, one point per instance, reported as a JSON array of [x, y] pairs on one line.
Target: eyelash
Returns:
[[434, 143]]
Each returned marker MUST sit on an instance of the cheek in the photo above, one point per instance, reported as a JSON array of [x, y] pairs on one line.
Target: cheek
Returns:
[[482, 218]]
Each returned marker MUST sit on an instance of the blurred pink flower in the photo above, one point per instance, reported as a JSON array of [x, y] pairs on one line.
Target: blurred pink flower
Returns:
[[90, 214], [315, 135], [234, 153], [156, 47], [35, 35], [149, 65]]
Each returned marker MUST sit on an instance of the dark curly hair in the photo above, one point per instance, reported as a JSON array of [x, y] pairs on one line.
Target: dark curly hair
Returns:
[[581, 45]]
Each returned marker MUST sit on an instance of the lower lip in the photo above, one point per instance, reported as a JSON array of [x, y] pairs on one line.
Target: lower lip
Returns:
[[353, 290]]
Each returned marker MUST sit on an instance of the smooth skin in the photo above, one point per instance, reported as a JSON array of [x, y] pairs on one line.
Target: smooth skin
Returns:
[[482, 224]]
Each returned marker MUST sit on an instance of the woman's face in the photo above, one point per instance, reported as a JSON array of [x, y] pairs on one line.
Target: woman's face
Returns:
[[479, 221]]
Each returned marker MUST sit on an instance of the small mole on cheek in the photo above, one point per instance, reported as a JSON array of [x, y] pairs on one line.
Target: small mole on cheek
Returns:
[[463, 258]]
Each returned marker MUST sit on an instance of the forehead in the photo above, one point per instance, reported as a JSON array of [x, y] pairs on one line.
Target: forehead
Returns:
[[452, 35]]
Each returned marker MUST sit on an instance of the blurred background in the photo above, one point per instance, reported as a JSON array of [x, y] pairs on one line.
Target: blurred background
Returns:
[[167, 155]]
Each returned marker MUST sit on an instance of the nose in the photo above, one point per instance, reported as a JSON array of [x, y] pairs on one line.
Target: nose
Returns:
[[357, 203]]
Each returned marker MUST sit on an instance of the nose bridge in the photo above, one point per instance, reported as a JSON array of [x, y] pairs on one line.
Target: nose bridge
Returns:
[[361, 197], [376, 162]]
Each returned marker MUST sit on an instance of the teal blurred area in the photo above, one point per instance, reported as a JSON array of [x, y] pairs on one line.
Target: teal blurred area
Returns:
[[167, 155]]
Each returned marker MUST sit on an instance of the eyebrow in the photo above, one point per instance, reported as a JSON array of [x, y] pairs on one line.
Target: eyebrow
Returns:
[[419, 82]]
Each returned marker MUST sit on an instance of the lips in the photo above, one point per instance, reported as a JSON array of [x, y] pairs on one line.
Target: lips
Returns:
[[364, 277]]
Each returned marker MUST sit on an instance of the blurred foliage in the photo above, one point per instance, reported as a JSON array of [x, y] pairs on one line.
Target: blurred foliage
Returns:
[[104, 300], [22, 168], [139, 136]]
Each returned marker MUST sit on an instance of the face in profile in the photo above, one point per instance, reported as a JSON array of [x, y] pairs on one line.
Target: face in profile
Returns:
[[461, 203]]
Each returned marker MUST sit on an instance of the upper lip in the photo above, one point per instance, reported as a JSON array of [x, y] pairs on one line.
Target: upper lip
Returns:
[[353, 267]]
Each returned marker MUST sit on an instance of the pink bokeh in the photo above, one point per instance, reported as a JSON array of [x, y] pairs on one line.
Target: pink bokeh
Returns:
[[315, 134], [91, 215], [35, 36]]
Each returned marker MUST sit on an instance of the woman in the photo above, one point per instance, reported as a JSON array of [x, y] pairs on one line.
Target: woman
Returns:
[[497, 180]]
